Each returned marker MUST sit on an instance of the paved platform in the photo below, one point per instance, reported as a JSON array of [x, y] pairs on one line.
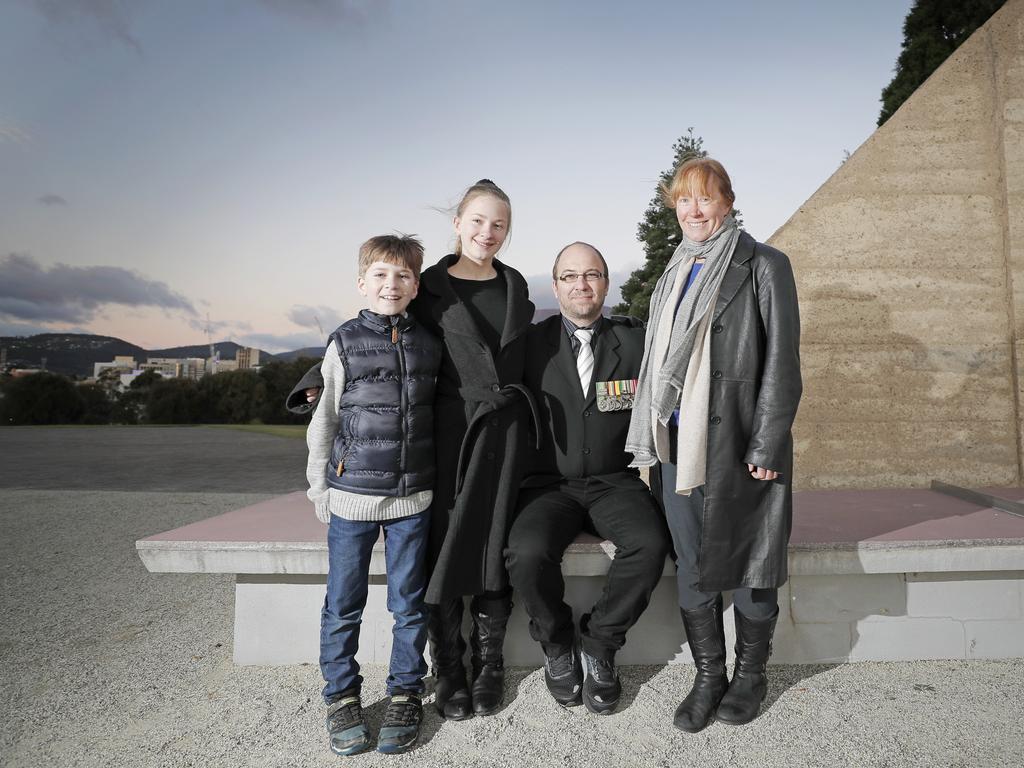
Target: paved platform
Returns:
[[894, 574]]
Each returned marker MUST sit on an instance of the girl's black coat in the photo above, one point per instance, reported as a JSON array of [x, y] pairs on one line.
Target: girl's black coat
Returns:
[[481, 422]]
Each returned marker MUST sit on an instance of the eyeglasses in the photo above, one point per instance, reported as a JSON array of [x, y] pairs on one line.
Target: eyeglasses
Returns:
[[592, 276]]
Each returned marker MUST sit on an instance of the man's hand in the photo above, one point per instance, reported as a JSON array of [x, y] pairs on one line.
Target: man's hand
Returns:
[[312, 394], [758, 473]]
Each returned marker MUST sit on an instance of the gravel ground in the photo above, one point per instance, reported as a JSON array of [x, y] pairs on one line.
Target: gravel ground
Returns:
[[105, 664]]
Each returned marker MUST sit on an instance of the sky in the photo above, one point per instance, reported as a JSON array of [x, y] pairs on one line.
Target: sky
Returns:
[[171, 167]]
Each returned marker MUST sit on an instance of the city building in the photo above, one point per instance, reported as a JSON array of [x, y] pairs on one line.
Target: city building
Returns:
[[125, 363], [247, 357]]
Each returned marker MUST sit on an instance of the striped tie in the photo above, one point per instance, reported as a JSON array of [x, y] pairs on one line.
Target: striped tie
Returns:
[[585, 359]]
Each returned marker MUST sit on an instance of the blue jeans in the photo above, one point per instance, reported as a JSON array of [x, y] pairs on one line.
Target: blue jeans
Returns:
[[349, 546]]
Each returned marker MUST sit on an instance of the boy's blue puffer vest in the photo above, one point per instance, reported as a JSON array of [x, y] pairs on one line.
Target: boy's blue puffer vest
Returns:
[[385, 440]]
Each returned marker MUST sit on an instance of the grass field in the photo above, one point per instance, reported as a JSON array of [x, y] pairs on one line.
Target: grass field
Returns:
[[295, 431]]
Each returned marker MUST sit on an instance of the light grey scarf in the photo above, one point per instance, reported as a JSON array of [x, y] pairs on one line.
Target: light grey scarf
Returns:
[[672, 339]]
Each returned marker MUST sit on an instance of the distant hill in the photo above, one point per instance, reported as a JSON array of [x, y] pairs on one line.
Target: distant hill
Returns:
[[73, 354], [314, 352], [228, 351], [69, 353]]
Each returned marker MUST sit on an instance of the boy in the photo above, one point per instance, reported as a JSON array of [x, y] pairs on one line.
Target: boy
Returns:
[[371, 467]]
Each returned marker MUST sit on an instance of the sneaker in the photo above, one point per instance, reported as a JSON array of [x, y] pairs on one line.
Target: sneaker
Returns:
[[401, 726], [601, 688], [346, 726], [564, 677]]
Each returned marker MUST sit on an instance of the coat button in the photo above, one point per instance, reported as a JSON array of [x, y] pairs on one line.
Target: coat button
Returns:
[[495, 387], [586, 451], [717, 328], [716, 374], [586, 413], [716, 419], [490, 454], [494, 422]]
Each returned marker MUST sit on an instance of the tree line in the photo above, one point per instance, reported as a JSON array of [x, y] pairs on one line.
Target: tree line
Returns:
[[232, 397]]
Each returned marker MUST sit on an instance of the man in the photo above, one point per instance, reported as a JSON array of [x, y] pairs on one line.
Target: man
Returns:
[[581, 370]]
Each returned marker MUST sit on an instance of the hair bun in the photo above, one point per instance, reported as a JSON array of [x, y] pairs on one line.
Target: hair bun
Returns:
[[485, 181]]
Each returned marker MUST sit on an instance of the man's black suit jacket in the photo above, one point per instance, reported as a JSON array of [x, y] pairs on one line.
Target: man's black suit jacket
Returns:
[[578, 440]]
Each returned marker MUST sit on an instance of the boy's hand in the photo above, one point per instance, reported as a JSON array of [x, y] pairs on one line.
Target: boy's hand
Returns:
[[323, 509], [312, 394]]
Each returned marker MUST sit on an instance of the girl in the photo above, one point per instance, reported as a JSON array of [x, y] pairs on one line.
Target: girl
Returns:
[[480, 309]]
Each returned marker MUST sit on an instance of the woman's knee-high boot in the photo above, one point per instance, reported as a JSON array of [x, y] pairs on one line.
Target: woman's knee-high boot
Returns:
[[706, 636], [749, 685], [490, 619], [444, 633]]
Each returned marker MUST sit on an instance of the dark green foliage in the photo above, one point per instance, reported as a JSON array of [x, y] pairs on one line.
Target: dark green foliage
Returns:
[[172, 401], [99, 408], [41, 398], [232, 397], [931, 32], [129, 406], [146, 379], [278, 380]]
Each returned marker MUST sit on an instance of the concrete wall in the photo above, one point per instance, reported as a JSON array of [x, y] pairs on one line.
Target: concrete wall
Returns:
[[910, 266], [822, 618]]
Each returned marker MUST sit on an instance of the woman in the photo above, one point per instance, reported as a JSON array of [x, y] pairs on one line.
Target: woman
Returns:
[[717, 394], [480, 309]]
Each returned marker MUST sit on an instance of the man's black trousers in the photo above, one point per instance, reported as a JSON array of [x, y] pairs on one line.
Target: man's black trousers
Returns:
[[548, 520]]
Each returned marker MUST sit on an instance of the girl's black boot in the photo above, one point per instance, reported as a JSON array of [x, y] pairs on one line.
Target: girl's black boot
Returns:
[[444, 634], [490, 620]]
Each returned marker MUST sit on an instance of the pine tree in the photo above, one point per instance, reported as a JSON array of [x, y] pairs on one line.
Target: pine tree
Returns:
[[931, 32], [660, 233]]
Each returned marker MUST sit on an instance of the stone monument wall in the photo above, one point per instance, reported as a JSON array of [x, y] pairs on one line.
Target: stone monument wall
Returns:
[[910, 267]]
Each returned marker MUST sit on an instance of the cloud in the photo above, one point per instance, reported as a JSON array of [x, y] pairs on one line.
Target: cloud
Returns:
[[13, 133], [51, 199], [219, 328], [305, 316], [277, 342], [111, 17], [66, 294]]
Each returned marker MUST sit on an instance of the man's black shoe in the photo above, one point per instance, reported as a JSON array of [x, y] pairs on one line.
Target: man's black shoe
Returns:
[[564, 677], [601, 688]]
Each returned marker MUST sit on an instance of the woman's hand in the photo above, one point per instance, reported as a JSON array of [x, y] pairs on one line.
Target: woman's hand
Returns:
[[759, 473], [312, 394]]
